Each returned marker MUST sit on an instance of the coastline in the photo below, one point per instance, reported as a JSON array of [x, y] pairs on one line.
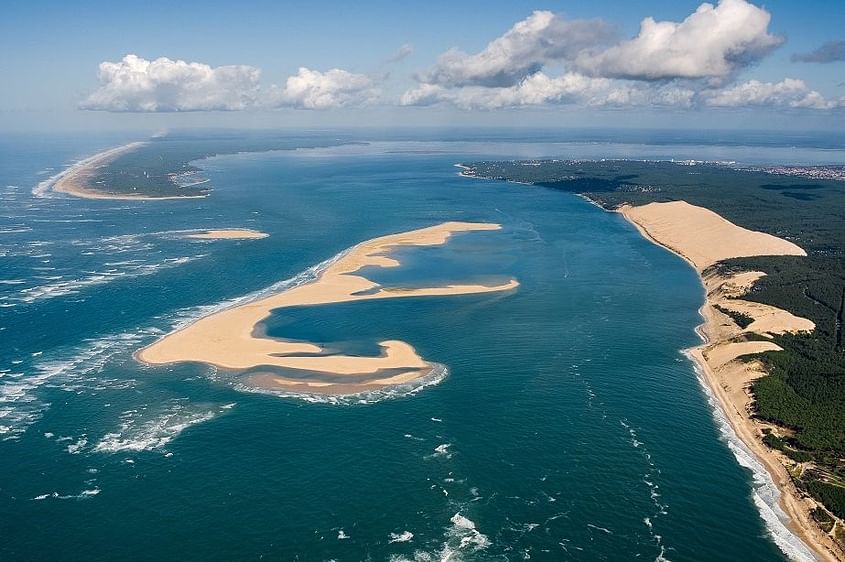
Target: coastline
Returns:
[[74, 180], [232, 339], [731, 390]]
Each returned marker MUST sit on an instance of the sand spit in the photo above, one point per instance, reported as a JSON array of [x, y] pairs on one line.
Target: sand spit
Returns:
[[231, 339], [76, 180], [227, 234], [726, 361]]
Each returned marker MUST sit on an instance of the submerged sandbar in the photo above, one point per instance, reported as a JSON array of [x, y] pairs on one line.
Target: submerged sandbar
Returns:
[[227, 234], [231, 339]]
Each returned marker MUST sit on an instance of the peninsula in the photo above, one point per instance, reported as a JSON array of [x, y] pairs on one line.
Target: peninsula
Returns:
[[161, 168], [82, 179]]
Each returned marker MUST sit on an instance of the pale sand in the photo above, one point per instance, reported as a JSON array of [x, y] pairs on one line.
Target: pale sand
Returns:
[[227, 234], [768, 319], [76, 179], [703, 238], [229, 338], [722, 354]]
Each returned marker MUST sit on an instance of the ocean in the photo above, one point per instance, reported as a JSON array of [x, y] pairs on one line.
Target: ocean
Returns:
[[566, 424]]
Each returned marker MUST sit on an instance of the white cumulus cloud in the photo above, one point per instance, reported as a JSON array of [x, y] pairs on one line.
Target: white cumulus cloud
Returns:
[[137, 84], [787, 93], [713, 42], [523, 50], [667, 64], [627, 95], [312, 89], [535, 90]]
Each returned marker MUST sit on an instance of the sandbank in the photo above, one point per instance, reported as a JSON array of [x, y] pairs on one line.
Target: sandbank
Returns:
[[230, 339], [704, 238]]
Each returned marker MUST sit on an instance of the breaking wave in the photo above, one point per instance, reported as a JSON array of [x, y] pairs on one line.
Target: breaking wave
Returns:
[[60, 288], [137, 432], [21, 404], [461, 538], [765, 493], [83, 495], [650, 480]]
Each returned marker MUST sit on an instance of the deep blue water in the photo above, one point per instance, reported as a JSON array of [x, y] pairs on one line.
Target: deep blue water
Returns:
[[569, 425]]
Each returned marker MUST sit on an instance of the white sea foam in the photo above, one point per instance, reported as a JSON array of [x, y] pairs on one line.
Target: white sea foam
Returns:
[[460, 539], [598, 528], [138, 432], [76, 448], [650, 480], [463, 529], [61, 288], [404, 536], [20, 402], [442, 450], [765, 493], [83, 495]]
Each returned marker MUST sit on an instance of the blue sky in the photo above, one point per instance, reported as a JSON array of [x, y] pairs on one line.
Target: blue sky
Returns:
[[600, 70]]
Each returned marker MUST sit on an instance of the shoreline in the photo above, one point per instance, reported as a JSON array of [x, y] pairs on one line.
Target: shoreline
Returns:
[[233, 338], [794, 505], [74, 180]]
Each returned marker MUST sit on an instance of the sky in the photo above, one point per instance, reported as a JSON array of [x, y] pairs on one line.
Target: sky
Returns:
[[91, 65]]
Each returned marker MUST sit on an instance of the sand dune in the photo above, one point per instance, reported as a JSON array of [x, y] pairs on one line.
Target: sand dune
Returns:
[[768, 319], [703, 237], [720, 354]]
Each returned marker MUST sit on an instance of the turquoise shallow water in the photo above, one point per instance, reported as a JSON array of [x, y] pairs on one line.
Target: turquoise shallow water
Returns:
[[568, 426]]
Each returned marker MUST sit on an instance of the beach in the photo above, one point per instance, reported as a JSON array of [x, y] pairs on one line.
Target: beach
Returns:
[[76, 180], [703, 238], [230, 339]]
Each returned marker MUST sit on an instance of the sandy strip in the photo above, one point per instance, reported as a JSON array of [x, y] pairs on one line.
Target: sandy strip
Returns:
[[76, 180], [227, 234], [704, 238], [229, 338]]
